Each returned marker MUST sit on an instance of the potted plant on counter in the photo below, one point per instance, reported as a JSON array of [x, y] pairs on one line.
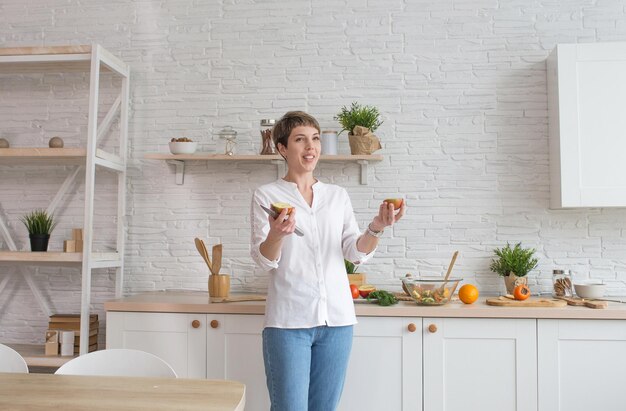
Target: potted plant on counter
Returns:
[[39, 225], [354, 277], [360, 122], [513, 264]]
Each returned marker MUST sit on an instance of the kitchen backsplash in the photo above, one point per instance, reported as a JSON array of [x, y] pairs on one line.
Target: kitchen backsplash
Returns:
[[461, 85]]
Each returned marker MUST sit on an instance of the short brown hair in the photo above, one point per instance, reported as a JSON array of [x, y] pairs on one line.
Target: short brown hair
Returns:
[[292, 119]]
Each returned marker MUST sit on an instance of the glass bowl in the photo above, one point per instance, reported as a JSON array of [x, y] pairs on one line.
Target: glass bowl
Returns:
[[431, 290]]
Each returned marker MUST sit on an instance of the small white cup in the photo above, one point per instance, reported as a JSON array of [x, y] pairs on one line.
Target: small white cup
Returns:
[[329, 142], [67, 343]]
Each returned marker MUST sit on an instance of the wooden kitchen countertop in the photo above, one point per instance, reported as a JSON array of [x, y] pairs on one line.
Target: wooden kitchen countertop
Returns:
[[198, 302], [87, 392]]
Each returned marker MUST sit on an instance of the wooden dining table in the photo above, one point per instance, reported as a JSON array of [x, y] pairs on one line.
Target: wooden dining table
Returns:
[[73, 392]]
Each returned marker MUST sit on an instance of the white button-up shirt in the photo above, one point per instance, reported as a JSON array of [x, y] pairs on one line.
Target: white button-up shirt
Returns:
[[308, 285]]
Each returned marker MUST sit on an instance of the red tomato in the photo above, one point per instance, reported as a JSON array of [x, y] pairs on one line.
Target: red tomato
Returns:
[[355, 291], [521, 292]]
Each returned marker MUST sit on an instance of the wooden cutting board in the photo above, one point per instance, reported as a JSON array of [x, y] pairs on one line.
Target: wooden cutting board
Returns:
[[238, 298], [583, 302], [531, 302]]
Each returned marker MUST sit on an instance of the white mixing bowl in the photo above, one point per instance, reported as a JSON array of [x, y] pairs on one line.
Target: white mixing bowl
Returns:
[[590, 290]]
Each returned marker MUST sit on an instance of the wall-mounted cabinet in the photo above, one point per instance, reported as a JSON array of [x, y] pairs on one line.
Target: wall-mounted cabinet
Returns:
[[586, 100]]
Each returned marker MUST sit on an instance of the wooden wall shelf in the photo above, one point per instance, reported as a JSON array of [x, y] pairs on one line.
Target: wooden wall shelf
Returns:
[[99, 260], [178, 160]]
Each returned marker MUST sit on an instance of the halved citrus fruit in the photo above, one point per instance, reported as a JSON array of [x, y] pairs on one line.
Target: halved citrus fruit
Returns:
[[279, 207]]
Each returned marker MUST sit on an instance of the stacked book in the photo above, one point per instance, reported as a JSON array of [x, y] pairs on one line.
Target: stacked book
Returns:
[[71, 322]]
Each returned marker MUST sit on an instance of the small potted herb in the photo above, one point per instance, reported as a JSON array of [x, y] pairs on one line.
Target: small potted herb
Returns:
[[513, 264], [39, 225], [354, 277], [360, 122]]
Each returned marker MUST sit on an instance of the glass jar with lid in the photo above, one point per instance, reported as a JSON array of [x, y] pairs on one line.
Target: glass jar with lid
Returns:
[[267, 144], [562, 283], [230, 140]]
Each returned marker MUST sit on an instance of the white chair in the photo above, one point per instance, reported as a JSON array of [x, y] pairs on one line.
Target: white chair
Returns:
[[11, 360], [118, 362]]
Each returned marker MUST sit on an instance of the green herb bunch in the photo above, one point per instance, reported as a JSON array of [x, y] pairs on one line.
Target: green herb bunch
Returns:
[[516, 260], [350, 267], [385, 298], [39, 222], [357, 115]]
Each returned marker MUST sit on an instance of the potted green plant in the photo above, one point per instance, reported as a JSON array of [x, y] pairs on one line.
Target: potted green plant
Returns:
[[360, 122], [513, 264], [39, 225], [354, 277]]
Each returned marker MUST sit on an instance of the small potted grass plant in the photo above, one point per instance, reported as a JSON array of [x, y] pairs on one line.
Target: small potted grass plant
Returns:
[[39, 225]]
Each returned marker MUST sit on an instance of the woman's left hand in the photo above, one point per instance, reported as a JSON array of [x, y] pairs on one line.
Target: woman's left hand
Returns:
[[387, 216]]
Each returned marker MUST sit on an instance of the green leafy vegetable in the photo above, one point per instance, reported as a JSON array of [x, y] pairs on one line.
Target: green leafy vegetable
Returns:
[[385, 298]]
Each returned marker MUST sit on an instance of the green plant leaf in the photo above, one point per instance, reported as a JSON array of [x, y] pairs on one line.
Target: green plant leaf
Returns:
[[516, 260], [39, 222], [350, 267], [358, 115]]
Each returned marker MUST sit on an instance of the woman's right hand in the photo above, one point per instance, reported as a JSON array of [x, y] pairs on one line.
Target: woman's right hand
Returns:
[[282, 226]]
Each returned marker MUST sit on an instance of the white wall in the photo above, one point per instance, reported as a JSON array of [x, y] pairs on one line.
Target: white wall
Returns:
[[462, 85]]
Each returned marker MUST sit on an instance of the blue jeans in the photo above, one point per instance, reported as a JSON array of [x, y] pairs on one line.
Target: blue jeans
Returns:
[[306, 367]]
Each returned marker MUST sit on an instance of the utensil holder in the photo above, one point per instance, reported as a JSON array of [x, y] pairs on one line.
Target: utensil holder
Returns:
[[219, 285]]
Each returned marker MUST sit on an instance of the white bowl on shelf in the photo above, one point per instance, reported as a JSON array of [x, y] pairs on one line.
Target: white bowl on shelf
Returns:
[[590, 289], [183, 147]]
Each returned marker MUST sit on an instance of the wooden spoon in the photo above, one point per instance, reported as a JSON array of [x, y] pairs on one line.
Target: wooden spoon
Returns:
[[217, 259], [445, 280], [203, 251]]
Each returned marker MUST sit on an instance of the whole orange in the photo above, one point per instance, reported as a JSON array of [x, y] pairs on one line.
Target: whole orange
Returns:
[[468, 294]]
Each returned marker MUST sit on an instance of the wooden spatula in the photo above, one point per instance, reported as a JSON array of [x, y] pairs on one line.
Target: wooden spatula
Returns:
[[203, 251], [445, 280], [217, 259]]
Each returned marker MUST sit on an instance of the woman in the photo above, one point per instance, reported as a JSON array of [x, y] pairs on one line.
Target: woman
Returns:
[[309, 313]]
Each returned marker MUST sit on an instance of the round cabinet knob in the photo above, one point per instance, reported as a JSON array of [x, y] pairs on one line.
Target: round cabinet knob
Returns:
[[195, 324], [432, 328], [215, 324], [412, 328]]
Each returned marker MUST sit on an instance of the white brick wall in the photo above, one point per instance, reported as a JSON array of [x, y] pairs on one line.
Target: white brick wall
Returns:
[[462, 85]]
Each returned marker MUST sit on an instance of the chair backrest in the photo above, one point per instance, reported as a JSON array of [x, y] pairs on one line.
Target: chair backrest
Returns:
[[119, 362], [11, 360]]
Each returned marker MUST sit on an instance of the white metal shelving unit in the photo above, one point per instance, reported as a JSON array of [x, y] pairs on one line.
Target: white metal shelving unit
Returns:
[[93, 58]]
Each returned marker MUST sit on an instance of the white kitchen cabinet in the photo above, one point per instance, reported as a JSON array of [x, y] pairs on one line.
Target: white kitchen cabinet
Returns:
[[235, 352], [586, 100], [179, 339], [486, 364], [581, 364], [385, 368]]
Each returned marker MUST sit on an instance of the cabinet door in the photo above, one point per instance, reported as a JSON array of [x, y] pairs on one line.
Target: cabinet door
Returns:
[[171, 337], [581, 364], [486, 364], [235, 352], [586, 98], [385, 368]]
